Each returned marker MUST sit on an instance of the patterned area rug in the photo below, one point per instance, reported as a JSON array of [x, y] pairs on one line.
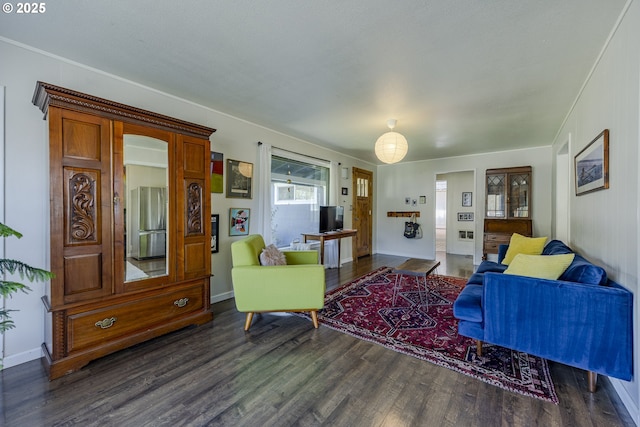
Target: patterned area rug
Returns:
[[364, 308]]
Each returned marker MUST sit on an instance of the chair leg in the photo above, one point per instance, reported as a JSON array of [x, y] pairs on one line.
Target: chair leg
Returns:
[[592, 380], [247, 322], [314, 318], [479, 348]]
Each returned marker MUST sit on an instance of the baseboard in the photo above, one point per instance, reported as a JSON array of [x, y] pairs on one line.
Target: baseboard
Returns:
[[627, 401], [221, 297], [20, 358]]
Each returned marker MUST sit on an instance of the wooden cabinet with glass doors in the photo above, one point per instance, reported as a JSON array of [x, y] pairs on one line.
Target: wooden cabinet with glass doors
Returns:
[[130, 229], [507, 206]]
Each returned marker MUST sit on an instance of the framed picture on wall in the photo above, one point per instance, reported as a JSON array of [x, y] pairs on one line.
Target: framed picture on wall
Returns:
[[215, 220], [592, 165], [239, 179], [239, 221], [467, 198], [216, 169]]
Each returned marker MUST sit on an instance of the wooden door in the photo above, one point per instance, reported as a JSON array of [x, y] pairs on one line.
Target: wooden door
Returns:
[[194, 208], [362, 208], [81, 203]]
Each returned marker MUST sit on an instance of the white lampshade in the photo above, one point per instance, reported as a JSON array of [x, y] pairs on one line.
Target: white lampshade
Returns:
[[391, 147]]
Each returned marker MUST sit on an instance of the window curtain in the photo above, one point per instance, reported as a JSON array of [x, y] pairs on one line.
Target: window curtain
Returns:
[[331, 246], [264, 193], [334, 184]]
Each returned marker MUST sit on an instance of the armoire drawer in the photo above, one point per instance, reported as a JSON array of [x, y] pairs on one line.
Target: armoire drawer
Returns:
[[98, 326]]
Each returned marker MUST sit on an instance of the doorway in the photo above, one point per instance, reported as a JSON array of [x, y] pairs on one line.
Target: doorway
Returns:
[[455, 213], [441, 216], [362, 207]]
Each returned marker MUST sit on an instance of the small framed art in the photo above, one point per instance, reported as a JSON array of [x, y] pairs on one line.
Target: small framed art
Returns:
[[592, 165], [215, 220], [239, 179], [216, 169], [239, 221], [467, 198]]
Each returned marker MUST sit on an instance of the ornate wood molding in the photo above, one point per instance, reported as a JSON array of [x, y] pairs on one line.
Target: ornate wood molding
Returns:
[[46, 95]]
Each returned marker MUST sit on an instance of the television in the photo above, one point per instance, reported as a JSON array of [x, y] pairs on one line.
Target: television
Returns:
[[331, 218]]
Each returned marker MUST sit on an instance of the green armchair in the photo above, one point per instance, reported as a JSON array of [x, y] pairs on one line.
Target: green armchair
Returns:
[[297, 286]]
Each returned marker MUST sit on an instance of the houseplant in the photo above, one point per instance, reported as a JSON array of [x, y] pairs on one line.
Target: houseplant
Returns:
[[8, 287]]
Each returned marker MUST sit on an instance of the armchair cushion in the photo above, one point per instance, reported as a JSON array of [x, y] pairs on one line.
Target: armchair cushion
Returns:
[[272, 256]]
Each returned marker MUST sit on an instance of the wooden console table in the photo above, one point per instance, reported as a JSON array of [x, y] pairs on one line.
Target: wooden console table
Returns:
[[332, 235]]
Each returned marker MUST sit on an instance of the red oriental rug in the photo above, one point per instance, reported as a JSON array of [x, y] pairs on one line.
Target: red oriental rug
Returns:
[[363, 308]]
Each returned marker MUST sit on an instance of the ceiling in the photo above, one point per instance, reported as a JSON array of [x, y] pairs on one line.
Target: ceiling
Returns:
[[460, 77]]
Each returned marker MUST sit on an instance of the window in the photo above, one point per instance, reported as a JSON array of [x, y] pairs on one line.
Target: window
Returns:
[[299, 187]]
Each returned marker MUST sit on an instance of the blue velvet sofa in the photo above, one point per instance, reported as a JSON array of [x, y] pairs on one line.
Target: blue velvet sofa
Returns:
[[583, 319]]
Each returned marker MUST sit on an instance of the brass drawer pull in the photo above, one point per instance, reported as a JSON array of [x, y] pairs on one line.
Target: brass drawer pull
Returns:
[[181, 302], [106, 323]]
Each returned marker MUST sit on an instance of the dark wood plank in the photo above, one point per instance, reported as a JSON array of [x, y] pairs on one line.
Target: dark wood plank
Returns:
[[284, 372]]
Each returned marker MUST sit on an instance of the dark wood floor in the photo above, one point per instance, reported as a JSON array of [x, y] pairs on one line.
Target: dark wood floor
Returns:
[[286, 373]]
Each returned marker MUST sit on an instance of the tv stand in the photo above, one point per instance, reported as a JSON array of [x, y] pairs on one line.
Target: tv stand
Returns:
[[332, 235]]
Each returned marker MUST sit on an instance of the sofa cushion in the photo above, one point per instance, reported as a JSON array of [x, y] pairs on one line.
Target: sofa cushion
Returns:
[[520, 244], [272, 256], [476, 279], [491, 266], [582, 271], [540, 266], [556, 247], [468, 305]]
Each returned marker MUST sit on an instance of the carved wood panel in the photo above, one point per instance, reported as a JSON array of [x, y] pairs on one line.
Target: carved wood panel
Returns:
[[194, 220], [82, 191]]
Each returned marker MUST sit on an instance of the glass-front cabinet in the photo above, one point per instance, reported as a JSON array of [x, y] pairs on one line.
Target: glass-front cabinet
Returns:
[[507, 206], [508, 193]]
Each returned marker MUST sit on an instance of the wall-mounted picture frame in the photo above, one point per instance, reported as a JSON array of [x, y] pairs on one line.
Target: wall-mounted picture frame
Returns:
[[239, 179], [470, 235], [465, 216], [215, 230], [345, 191], [467, 198], [592, 165], [216, 169], [239, 221]]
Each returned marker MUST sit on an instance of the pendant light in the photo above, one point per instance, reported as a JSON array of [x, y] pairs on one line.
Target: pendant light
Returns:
[[391, 147]]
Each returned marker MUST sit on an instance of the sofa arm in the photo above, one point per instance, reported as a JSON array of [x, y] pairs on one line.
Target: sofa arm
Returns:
[[585, 326], [301, 257], [278, 288]]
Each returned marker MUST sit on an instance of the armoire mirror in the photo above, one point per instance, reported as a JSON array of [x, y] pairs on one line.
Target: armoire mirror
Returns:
[[146, 194]]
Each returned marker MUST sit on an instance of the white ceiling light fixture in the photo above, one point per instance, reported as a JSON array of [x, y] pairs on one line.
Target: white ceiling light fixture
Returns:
[[391, 147]]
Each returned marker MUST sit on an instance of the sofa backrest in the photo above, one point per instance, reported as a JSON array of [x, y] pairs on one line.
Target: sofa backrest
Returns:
[[247, 251], [580, 270]]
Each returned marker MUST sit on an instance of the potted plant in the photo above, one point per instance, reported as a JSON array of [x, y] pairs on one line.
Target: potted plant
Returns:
[[8, 287]]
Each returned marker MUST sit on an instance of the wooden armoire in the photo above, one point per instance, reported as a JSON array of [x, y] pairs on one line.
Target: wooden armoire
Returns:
[[130, 229]]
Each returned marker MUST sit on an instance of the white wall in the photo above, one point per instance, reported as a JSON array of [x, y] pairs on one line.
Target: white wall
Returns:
[[27, 176], [604, 224], [457, 182], [395, 182]]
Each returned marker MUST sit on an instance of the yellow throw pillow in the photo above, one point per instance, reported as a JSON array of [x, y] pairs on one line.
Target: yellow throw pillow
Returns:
[[520, 244], [540, 266]]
